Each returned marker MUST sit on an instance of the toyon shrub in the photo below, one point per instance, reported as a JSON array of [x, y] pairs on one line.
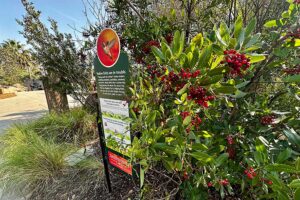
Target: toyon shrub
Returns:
[[201, 113]]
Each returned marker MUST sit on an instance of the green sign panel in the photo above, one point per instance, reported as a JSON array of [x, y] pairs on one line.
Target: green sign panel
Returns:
[[112, 88]]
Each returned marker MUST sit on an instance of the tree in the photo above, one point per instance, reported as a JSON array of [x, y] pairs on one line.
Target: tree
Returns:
[[57, 54], [16, 63]]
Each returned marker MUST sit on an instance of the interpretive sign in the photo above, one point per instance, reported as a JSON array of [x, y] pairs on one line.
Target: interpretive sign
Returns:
[[112, 79]]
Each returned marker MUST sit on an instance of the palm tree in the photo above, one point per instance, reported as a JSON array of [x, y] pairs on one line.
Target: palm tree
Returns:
[[16, 61]]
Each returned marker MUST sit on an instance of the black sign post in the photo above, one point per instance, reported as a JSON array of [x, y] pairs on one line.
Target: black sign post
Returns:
[[103, 147]]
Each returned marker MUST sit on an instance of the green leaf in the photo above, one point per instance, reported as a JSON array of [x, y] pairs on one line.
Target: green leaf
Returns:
[[252, 48], [281, 52], [292, 136], [198, 40], [164, 147], [176, 42], [282, 196], [258, 157], [199, 146], [220, 38], [270, 24], [201, 156], [205, 56], [285, 14], [250, 28], [260, 146], [142, 176], [281, 168], [218, 71], [221, 159], [183, 90], [284, 155], [292, 79], [178, 102], [254, 58], [225, 90], [241, 39], [217, 50], [187, 120], [297, 194], [158, 54], [241, 85], [210, 80], [224, 32], [195, 58], [181, 44], [239, 94], [238, 26], [253, 41], [183, 97], [295, 183], [166, 50]]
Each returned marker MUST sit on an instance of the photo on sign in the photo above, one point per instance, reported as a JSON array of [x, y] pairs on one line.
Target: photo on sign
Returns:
[[116, 124]]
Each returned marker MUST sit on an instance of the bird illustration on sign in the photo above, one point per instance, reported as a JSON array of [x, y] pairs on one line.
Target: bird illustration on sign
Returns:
[[107, 46]]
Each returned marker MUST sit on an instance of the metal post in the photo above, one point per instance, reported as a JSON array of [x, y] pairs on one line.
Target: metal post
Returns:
[[103, 150]]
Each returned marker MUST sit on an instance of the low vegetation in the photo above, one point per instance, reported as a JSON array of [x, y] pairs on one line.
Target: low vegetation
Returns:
[[36, 157]]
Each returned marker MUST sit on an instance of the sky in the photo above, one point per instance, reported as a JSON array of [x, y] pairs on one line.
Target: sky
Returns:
[[65, 12]]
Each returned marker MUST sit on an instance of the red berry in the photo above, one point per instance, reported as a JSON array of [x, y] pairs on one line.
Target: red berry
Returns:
[[230, 140], [185, 175], [224, 182], [231, 152], [209, 184]]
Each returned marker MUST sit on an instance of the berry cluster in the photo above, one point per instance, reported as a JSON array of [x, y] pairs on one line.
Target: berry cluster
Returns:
[[224, 182], [147, 47], [155, 71], [267, 120], [169, 38], [250, 173], [200, 96], [175, 81], [230, 147], [196, 121], [230, 140], [236, 61], [184, 114], [292, 71]]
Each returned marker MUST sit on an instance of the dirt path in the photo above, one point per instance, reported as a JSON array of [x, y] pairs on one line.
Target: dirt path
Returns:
[[24, 107]]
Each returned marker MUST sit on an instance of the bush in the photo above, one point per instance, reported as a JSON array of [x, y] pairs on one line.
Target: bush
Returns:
[[204, 113]]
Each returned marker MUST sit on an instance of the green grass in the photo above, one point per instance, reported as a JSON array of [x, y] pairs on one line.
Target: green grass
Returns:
[[33, 156], [28, 159], [76, 126]]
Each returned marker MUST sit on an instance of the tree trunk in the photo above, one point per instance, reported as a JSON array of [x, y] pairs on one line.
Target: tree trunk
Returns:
[[56, 97]]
